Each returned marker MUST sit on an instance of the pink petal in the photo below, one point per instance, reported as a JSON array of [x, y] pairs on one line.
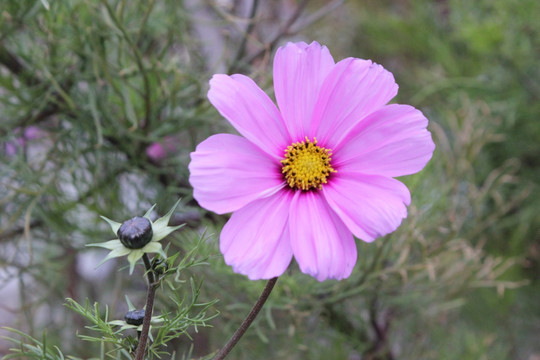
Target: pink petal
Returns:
[[321, 243], [299, 71], [33, 133], [11, 148], [354, 89], [156, 152], [392, 142], [227, 172], [255, 241], [250, 111], [370, 206]]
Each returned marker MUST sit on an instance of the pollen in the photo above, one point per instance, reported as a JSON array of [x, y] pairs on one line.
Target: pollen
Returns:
[[306, 165]]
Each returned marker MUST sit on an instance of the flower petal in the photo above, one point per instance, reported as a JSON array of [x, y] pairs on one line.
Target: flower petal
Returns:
[[370, 206], [133, 257], [164, 221], [117, 322], [149, 212], [393, 141], [227, 172], [299, 71], [250, 111], [120, 251], [161, 232], [113, 224], [352, 90], [110, 245], [321, 243], [117, 252], [255, 240], [152, 247]]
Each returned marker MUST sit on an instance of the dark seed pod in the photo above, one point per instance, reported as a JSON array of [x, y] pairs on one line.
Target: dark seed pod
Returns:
[[135, 233], [134, 317], [159, 265]]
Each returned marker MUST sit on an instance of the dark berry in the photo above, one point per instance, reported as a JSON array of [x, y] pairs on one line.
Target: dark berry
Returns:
[[135, 233], [134, 317]]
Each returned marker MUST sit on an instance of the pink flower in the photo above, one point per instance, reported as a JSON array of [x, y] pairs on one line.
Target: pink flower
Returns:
[[158, 151], [308, 176], [12, 147], [30, 133], [33, 133]]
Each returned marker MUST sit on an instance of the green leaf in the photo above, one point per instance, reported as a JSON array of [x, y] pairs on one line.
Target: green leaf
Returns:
[[45, 4]]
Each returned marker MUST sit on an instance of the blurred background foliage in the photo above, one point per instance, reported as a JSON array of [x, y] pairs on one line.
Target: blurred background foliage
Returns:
[[101, 103]]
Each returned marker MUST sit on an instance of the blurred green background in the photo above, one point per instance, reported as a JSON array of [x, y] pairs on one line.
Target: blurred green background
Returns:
[[101, 103]]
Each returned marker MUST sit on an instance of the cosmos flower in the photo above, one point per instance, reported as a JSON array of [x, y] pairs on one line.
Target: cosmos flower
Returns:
[[307, 175], [138, 236], [158, 151], [29, 133]]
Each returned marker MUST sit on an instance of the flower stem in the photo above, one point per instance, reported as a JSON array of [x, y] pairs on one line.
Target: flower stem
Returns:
[[150, 295], [248, 320], [149, 269]]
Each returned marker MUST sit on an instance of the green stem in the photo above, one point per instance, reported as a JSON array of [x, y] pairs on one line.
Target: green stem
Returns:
[[242, 48], [138, 61], [247, 321]]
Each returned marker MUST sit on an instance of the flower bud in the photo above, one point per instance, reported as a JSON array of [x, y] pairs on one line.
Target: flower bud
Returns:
[[134, 317], [135, 233], [159, 265]]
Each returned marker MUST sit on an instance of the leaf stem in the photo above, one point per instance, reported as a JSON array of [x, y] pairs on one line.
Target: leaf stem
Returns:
[[138, 61], [151, 294], [234, 66], [149, 269], [248, 320]]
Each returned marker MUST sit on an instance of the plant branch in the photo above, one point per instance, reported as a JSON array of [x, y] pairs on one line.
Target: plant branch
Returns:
[[150, 296], [138, 61], [13, 64], [316, 16], [379, 348], [248, 320], [242, 48], [281, 33], [149, 270]]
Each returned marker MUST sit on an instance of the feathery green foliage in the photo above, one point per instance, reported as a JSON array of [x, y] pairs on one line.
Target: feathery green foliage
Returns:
[[88, 87]]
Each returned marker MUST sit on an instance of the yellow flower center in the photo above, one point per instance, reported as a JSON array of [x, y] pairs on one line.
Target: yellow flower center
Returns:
[[307, 165]]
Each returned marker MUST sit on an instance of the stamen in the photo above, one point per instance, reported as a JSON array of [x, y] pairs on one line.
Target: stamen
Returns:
[[307, 165]]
